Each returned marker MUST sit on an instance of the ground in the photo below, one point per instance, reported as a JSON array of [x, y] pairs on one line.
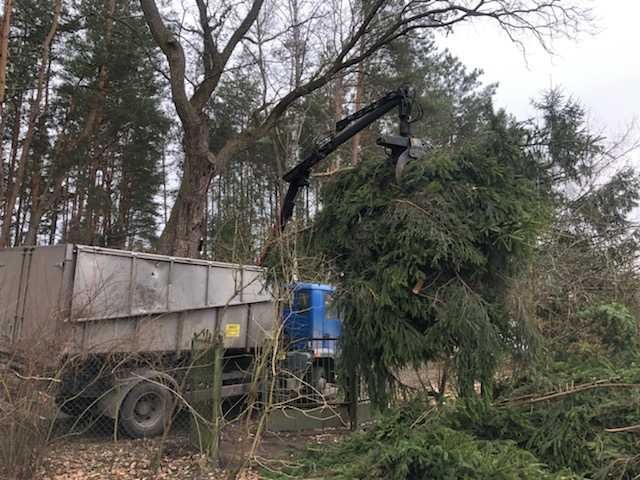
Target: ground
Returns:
[[99, 457]]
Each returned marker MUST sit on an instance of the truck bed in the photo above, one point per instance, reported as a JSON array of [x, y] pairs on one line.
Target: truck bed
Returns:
[[97, 300]]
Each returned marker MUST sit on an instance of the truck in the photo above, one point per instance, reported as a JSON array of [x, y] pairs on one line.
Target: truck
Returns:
[[124, 324]]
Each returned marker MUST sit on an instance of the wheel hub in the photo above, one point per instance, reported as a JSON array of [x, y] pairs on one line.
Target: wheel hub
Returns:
[[147, 408]]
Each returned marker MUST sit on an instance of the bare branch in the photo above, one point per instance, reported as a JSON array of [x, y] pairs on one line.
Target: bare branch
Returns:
[[172, 49]]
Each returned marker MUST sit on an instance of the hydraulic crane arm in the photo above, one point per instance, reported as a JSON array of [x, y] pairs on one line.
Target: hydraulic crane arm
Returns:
[[401, 146]]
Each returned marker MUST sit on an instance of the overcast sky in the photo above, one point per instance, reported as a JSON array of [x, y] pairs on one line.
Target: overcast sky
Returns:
[[602, 70]]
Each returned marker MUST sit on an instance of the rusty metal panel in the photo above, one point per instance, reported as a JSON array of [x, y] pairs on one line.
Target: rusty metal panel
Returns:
[[32, 293]]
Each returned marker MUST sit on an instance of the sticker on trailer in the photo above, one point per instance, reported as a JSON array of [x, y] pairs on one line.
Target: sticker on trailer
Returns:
[[232, 330]]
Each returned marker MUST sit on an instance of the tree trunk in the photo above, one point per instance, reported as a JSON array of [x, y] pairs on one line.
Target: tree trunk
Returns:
[[4, 54], [73, 233], [15, 146], [119, 235], [182, 234], [4, 47], [355, 142]]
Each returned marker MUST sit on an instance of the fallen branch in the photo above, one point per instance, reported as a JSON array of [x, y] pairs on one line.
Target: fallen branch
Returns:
[[31, 377], [631, 428], [578, 389]]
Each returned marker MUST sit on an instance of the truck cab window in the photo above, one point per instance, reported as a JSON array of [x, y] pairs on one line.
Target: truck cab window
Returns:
[[330, 311], [302, 302]]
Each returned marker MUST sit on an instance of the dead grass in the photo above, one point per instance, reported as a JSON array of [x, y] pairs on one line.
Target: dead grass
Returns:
[[26, 412]]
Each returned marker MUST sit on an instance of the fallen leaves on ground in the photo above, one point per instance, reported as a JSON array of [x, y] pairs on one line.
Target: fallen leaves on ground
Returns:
[[130, 460]]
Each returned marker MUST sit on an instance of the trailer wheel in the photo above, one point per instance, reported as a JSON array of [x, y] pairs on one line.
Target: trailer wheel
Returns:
[[146, 410]]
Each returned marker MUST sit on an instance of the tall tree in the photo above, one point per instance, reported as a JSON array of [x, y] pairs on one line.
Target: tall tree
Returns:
[[84, 129], [32, 123], [65, 151], [5, 26], [381, 22]]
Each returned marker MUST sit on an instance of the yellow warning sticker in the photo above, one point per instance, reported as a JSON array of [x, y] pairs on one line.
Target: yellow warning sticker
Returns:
[[232, 330]]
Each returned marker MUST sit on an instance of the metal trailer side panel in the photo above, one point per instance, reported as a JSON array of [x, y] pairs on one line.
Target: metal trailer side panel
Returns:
[[244, 326], [263, 322], [33, 287], [137, 302], [101, 285], [113, 283], [11, 284], [94, 300]]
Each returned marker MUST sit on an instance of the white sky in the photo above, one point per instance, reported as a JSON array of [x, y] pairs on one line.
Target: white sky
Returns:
[[602, 70]]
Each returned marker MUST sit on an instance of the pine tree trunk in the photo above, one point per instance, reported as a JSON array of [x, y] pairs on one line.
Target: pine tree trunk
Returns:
[[15, 146], [355, 142], [338, 110], [73, 234], [4, 47], [118, 238], [4, 54]]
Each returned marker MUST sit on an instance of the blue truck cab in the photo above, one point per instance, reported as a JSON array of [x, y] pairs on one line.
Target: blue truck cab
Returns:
[[311, 324]]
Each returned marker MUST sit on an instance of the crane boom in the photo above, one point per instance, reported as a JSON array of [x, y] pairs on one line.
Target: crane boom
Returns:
[[346, 128]]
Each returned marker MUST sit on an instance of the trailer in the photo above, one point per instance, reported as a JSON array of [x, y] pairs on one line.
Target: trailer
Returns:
[[99, 307]]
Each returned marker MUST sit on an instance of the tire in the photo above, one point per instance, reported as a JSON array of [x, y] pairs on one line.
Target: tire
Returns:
[[146, 410]]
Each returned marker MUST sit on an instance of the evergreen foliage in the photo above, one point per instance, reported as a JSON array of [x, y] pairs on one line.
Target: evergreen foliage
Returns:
[[402, 446], [457, 225], [572, 414], [118, 170]]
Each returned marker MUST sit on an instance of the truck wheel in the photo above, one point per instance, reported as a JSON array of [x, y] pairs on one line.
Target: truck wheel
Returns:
[[146, 410]]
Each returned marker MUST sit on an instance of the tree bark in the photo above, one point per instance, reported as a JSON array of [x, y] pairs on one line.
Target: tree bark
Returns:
[[4, 47], [15, 145], [4, 55], [355, 141], [182, 234]]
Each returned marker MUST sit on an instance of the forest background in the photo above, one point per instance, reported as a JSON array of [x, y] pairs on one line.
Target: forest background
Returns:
[[94, 152]]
